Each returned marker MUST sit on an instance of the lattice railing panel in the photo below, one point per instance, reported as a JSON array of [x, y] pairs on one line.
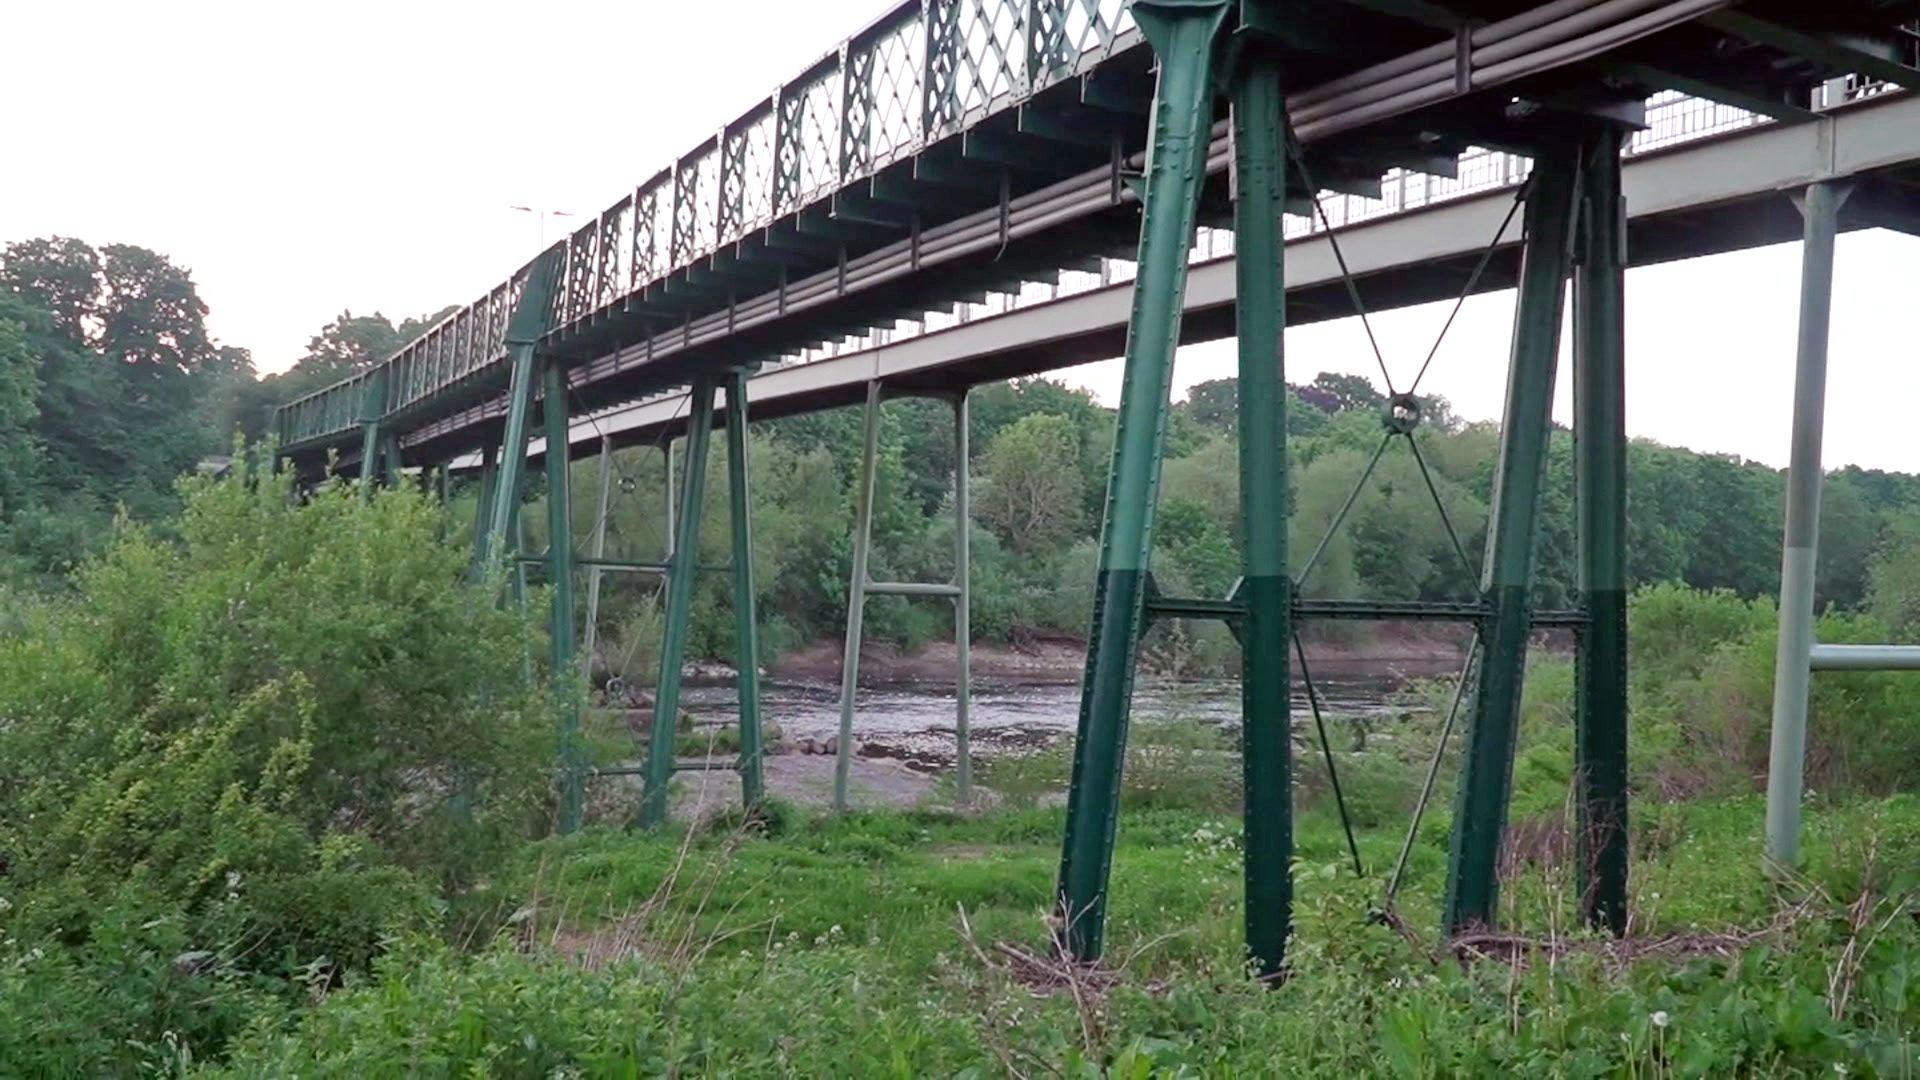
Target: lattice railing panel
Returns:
[[992, 52], [894, 105]]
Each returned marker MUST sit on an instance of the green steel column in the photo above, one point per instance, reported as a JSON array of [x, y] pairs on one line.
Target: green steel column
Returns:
[[962, 606], [524, 329], [1600, 465], [746, 625], [591, 634], [565, 673], [856, 597], [483, 509], [373, 401], [1266, 588], [1792, 671], [1486, 777], [513, 454], [390, 451], [1182, 35], [673, 641]]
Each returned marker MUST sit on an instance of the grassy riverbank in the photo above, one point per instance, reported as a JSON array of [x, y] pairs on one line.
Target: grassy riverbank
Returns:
[[908, 944]]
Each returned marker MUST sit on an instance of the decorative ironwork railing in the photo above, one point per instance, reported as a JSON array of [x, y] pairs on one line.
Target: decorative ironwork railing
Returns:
[[924, 70]]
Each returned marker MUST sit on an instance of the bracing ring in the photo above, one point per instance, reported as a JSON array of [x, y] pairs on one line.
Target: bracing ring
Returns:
[[1402, 414]]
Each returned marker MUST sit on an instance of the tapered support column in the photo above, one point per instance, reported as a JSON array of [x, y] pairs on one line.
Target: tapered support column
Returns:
[[391, 457], [373, 402], [524, 328], [483, 508], [1183, 36], [504, 526], [962, 605], [856, 596], [673, 641], [746, 626], [1265, 588], [1486, 778], [1600, 462], [565, 672], [1787, 759], [591, 635]]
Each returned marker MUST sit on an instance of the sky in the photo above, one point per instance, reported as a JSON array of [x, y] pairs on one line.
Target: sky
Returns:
[[302, 160]]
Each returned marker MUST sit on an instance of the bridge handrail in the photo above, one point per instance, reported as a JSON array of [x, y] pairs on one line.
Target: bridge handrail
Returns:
[[880, 97]]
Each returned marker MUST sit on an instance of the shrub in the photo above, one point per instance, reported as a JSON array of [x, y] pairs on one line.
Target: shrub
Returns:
[[288, 735]]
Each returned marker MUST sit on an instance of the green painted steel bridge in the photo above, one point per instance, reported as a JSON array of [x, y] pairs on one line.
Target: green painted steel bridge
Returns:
[[1168, 170]]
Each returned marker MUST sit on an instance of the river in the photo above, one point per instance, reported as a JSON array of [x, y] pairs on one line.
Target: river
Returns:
[[914, 719]]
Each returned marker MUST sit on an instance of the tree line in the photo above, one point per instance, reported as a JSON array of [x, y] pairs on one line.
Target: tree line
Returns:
[[111, 387]]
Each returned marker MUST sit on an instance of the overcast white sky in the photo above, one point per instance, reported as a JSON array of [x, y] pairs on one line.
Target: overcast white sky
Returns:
[[304, 159]]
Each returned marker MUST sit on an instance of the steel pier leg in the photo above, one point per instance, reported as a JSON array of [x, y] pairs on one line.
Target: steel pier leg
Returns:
[[962, 606], [746, 626], [1787, 758], [673, 642], [1486, 778], [1600, 462], [1182, 36], [565, 673], [502, 530], [390, 452], [856, 597], [372, 403], [592, 633], [483, 509], [1266, 588]]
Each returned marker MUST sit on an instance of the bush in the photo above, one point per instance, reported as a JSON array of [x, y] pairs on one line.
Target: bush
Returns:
[[287, 736]]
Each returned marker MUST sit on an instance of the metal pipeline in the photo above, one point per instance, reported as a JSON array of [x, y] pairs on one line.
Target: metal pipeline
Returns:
[[1594, 17]]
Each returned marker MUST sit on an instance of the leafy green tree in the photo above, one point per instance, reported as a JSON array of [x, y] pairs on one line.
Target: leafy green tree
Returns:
[[1349, 393], [1893, 578], [1031, 498]]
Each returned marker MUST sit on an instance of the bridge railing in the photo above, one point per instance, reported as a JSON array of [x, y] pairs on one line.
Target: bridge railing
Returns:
[[923, 71]]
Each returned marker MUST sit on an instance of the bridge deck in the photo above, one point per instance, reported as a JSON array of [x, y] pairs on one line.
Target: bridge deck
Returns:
[[956, 147]]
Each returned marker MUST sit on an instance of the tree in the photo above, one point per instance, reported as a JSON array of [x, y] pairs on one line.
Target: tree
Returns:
[[1032, 497], [1349, 392], [1214, 403], [1893, 579]]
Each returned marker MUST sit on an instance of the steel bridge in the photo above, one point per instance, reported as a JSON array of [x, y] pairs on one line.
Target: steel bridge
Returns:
[[1137, 162]]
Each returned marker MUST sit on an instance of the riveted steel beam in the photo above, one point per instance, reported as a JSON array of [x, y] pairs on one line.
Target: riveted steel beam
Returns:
[[1600, 467], [1486, 780], [1183, 37]]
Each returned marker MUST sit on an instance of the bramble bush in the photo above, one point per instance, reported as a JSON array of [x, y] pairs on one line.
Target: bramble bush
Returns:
[[238, 762]]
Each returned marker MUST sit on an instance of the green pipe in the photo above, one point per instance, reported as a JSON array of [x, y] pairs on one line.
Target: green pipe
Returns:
[[1486, 778], [673, 642], [1266, 588], [746, 626], [1182, 36], [565, 672], [1600, 467], [856, 596], [1792, 668]]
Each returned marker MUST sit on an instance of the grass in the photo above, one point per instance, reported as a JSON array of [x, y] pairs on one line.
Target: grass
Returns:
[[838, 946]]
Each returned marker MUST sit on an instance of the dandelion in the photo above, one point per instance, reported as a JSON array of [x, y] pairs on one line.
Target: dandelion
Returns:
[[1660, 1018]]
